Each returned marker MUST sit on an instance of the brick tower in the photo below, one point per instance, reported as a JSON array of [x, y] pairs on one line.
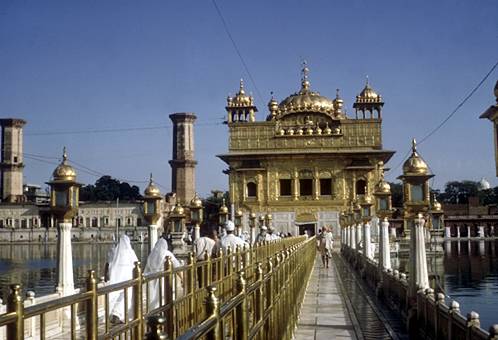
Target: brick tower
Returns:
[[183, 162], [11, 164]]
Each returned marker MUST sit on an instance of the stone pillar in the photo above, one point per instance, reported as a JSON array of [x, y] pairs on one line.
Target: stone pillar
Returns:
[[447, 232], [492, 231], [152, 236], [367, 250], [197, 231], [353, 236], [393, 232], [468, 231], [65, 278], [419, 278], [384, 251], [358, 237], [458, 231]]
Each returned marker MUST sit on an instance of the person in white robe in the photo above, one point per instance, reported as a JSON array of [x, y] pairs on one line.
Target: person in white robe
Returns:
[[230, 240], [155, 263], [121, 269], [326, 244]]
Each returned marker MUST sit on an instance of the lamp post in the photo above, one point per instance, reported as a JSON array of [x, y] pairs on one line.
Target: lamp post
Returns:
[[222, 214], [383, 203], [437, 219], [252, 225], [352, 230], [357, 224], [238, 221], [177, 219], [196, 215], [416, 199], [152, 211], [64, 202], [366, 205]]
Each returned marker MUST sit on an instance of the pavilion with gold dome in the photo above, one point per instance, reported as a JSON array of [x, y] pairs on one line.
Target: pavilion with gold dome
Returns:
[[307, 159]]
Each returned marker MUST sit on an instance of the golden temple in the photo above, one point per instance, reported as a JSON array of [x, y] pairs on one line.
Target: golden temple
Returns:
[[307, 160]]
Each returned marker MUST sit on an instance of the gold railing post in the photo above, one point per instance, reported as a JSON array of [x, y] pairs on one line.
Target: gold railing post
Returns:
[[269, 300], [213, 309], [168, 297], [15, 331], [91, 307], [241, 310], [137, 301], [191, 287], [259, 293]]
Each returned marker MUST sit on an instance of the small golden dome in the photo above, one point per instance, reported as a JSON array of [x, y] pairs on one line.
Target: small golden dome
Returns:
[[309, 130], [290, 131], [415, 164], [269, 216], [64, 172], [223, 209], [368, 95], [300, 131], [273, 105], [383, 186], [239, 213], [252, 216], [437, 205], [318, 130], [152, 190], [196, 202], [367, 200], [178, 210], [241, 99]]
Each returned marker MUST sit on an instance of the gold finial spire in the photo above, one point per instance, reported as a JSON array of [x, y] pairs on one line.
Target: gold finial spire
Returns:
[[337, 93], [367, 83], [150, 179], [64, 155], [414, 145], [305, 84], [241, 89]]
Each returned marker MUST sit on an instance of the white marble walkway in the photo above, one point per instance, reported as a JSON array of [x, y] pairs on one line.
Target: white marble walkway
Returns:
[[323, 313]]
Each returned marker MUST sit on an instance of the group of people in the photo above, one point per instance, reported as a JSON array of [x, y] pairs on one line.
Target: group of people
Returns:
[[121, 260]]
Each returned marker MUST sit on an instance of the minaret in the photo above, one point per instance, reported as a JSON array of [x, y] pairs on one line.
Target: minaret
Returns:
[[12, 159], [183, 162]]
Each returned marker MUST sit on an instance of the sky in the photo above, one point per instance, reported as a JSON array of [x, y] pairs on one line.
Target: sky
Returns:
[[88, 66]]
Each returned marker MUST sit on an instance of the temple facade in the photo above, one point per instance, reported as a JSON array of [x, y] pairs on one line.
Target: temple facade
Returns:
[[307, 160]]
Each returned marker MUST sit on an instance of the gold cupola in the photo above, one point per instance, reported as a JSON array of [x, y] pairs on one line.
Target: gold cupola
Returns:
[[368, 101], [64, 172], [306, 100], [338, 104], [272, 107], [241, 108], [152, 190], [415, 165]]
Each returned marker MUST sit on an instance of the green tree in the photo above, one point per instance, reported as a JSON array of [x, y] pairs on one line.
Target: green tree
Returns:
[[456, 192], [107, 188]]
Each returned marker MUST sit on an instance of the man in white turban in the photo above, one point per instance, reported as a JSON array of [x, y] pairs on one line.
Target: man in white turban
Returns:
[[155, 263], [230, 240], [121, 269], [263, 234]]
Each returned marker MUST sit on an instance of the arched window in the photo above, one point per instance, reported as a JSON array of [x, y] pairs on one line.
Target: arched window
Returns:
[[252, 189], [360, 187]]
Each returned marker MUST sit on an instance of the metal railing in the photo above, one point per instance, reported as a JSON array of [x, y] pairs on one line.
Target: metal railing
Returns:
[[248, 293], [434, 319]]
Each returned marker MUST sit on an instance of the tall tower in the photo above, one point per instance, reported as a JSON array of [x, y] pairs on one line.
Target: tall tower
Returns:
[[183, 162], [11, 164]]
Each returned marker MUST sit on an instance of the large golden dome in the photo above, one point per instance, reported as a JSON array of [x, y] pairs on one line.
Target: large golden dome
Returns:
[[415, 164], [306, 100], [64, 172], [152, 190]]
